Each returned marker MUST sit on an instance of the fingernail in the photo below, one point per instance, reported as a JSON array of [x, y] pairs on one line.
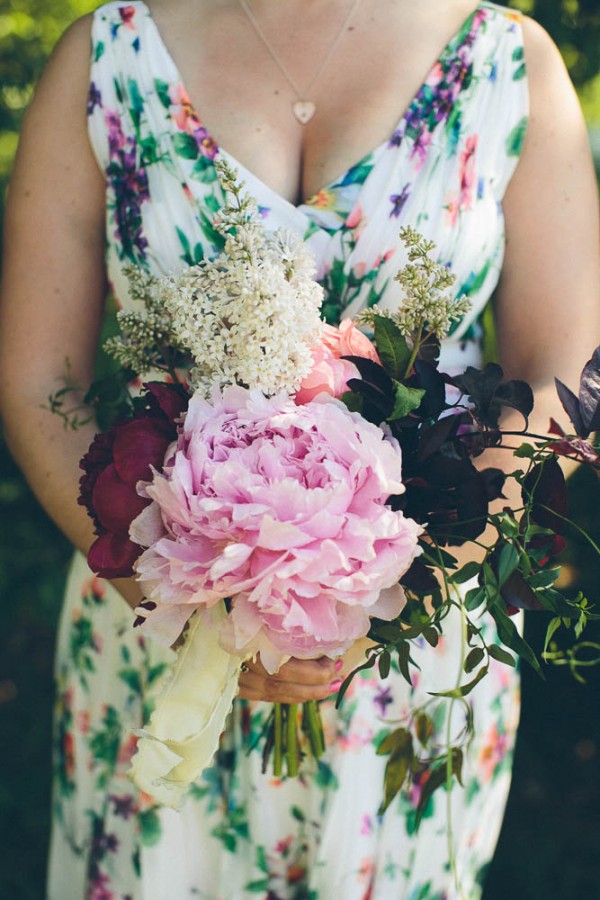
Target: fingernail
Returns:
[[335, 685], [338, 664]]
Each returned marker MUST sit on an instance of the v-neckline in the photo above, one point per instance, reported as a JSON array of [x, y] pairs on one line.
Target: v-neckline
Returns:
[[451, 46]]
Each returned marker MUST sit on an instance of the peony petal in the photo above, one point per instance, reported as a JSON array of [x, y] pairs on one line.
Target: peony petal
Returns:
[[113, 556], [115, 502], [139, 444]]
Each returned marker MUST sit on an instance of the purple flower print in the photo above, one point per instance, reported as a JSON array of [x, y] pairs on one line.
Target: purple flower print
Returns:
[[94, 98], [398, 201], [383, 698], [124, 806], [129, 182]]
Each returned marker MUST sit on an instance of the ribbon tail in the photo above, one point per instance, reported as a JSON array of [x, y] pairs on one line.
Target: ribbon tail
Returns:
[[183, 734]]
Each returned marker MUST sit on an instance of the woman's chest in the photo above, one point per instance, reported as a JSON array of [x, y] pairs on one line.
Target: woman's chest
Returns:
[[360, 62]]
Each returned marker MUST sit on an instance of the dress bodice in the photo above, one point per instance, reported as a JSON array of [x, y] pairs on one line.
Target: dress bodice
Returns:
[[443, 170]]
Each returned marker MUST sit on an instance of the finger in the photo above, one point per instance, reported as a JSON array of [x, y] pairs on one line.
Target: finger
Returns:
[[302, 671], [254, 686]]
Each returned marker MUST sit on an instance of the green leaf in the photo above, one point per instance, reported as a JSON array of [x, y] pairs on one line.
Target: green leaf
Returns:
[[406, 399], [391, 345], [437, 779], [384, 664], [423, 728], [473, 659], [260, 886], [204, 170], [516, 138], [474, 598], [501, 655], [150, 828], [468, 571], [346, 683], [509, 635], [394, 742], [186, 146], [432, 636], [525, 451], [553, 627], [397, 767], [353, 401], [508, 561], [162, 91], [403, 660], [464, 689]]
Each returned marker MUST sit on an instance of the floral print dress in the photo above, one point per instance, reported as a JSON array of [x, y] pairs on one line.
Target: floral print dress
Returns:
[[241, 833]]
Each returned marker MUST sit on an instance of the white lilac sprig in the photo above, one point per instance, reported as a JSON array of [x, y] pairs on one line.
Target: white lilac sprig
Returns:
[[147, 341], [250, 315], [429, 304]]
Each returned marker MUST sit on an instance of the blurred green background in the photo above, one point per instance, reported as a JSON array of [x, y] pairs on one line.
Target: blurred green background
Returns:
[[549, 844]]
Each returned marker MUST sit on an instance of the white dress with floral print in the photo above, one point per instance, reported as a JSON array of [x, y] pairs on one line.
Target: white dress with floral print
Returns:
[[241, 834]]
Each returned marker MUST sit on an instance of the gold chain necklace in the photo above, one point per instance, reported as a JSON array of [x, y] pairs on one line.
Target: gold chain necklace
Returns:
[[303, 108]]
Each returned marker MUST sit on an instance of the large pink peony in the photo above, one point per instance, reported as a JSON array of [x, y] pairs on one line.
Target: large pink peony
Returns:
[[330, 373], [282, 509]]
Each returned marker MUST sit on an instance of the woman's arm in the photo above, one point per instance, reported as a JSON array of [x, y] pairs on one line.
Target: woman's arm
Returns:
[[53, 281], [51, 308], [548, 303]]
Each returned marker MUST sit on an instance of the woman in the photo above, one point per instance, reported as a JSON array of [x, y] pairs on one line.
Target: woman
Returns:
[[490, 159]]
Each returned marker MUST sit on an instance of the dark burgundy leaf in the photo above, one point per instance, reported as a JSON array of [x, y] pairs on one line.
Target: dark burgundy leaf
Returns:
[[571, 406], [428, 378], [493, 480], [546, 485], [518, 594], [372, 373], [378, 406], [432, 438], [480, 385], [420, 579], [113, 556], [516, 394], [430, 351], [589, 393]]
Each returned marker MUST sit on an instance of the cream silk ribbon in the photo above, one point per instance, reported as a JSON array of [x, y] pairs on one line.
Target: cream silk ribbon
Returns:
[[183, 734]]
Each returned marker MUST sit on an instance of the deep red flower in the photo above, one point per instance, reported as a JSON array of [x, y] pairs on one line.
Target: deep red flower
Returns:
[[113, 466]]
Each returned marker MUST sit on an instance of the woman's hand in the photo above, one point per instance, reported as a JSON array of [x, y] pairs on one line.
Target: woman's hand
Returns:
[[297, 681]]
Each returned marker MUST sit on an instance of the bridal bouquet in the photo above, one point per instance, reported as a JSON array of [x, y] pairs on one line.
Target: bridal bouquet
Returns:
[[293, 487]]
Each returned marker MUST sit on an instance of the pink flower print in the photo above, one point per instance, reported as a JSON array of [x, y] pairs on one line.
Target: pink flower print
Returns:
[[493, 752], [359, 269], [366, 824], [68, 753], [467, 171], [452, 211], [127, 14], [420, 147], [99, 888], [127, 749], [356, 221], [82, 721], [366, 870], [282, 847], [436, 75], [182, 110]]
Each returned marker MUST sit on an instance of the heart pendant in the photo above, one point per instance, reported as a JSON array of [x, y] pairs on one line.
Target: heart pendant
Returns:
[[303, 110]]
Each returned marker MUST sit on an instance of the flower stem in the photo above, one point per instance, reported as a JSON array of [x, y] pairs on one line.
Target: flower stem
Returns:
[[292, 739], [314, 728], [278, 739]]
